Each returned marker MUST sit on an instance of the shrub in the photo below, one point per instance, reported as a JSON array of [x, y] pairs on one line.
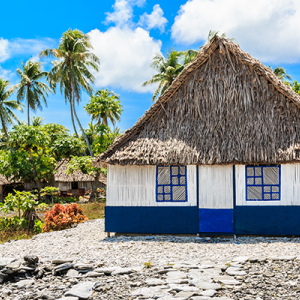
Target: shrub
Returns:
[[38, 226], [62, 217], [12, 223]]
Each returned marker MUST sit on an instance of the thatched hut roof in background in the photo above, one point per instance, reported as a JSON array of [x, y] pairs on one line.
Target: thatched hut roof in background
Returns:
[[225, 107], [62, 176], [4, 180]]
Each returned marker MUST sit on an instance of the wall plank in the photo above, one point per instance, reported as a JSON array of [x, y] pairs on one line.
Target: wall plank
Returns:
[[215, 186]]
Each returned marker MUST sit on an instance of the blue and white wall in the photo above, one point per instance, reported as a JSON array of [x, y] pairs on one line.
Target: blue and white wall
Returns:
[[279, 217], [216, 199], [132, 205]]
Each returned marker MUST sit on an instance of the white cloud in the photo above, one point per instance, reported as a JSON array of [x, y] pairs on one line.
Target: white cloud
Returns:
[[4, 54], [125, 55], [5, 74], [122, 13], [268, 29], [154, 20]]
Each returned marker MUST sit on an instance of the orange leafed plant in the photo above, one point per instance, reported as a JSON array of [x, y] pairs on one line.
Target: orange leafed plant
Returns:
[[62, 217]]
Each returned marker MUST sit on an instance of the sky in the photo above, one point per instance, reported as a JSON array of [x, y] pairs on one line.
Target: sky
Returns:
[[126, 34]]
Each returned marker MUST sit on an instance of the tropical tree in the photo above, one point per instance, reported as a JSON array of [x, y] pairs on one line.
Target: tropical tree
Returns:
[[213, 33], [189, 56], [104, 106], [168, 69], [72, 70], [37, 121], [31, 88], [7, 115], [281, 73]]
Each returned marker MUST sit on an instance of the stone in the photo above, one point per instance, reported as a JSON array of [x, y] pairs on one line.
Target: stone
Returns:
[[14, 265], [3, 277], [208, 293], [154, 282], [121, 271], [83, 266], [150, 292], [62, 267], [93, 274], [106, 271], [4, 261], [183, 287], [24, 283], [240, 259], [230, 282], [31, 259], [68, 298], [59, 261], [235, 272], [209, 286], [81, 290], [72, 273], [201, 298], [184, 295]]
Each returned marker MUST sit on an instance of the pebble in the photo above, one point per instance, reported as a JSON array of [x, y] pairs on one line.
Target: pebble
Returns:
[[81, 290]]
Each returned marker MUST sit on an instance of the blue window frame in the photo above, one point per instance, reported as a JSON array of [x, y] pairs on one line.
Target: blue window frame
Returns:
[[263, 183], [171, 184]]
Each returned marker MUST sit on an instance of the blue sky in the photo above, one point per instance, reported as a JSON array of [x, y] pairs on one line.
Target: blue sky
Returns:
[[127, 33]]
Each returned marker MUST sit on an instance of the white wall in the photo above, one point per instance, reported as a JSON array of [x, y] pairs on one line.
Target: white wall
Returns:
[[136, 186], [290, 187], [216, 186]]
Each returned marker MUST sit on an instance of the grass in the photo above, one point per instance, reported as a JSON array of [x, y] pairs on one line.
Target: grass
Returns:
[[93, 211]]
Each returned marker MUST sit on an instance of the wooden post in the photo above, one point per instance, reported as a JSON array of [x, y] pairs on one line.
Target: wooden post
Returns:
[[108, 234]]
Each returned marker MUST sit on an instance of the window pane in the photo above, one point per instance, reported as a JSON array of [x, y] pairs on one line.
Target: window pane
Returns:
[[174, 180], [167, 189], [257, 171], [163, 175], [174, 170], [250, 181], [267, 196], [159, 189], [267, 189], [275, 189], [250, 171], [160, 197], [271, 175], [254, 192], [182, 170], [178, 193], [275, 196], [167, 197], [182, 180], [258, 181]]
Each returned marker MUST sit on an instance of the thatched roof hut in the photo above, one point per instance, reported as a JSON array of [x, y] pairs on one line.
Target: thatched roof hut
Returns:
[[225, 107], [218, 152]]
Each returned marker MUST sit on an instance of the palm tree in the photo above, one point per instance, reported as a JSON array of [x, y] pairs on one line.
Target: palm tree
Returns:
[[213, 33], [103, 106], [31, 87], [281, 73], [72, 70], [37, 121], [189, 56], [6, 106], [168, 69]]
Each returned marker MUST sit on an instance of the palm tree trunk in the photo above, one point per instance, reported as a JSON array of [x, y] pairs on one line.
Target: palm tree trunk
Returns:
[[28, 109], [105, 121], [82, 130], [4, 129], [72, 117]]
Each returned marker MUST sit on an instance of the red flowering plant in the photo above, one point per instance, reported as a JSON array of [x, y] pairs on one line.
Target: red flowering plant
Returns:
[[63, 216]]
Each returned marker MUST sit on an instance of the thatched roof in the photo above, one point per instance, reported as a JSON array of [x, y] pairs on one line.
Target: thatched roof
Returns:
[[4, 180], [62, 176], [225, 107]]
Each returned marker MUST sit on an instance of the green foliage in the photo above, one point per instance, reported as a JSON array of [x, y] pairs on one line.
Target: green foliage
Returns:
[[83, 164], [36, 151], [103, 106], [49, 191], [281, 73], [12, 223], [104, 138], [31, 87], [38, 226], [295, 86], [148, 265], [21, 201]]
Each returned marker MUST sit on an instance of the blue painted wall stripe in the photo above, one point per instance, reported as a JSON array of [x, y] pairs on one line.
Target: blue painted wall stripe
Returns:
[[163, 219], [269, 220], [215, 220]]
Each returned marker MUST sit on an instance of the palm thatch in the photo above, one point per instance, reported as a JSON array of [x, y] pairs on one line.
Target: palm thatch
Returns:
[[78, 176], [225, 107]]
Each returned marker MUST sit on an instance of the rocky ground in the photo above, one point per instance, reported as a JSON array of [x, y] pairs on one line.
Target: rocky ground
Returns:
[[81, 263]]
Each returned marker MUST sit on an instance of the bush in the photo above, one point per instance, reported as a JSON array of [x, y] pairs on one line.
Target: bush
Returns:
[[14, 223], [62, 217]]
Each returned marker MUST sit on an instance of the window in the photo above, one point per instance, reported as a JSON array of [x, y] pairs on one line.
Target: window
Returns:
[[263, 183], [171, 185]]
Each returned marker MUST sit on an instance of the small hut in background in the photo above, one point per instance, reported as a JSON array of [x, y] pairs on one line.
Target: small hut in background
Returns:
[[77, 183], [8, 185]]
